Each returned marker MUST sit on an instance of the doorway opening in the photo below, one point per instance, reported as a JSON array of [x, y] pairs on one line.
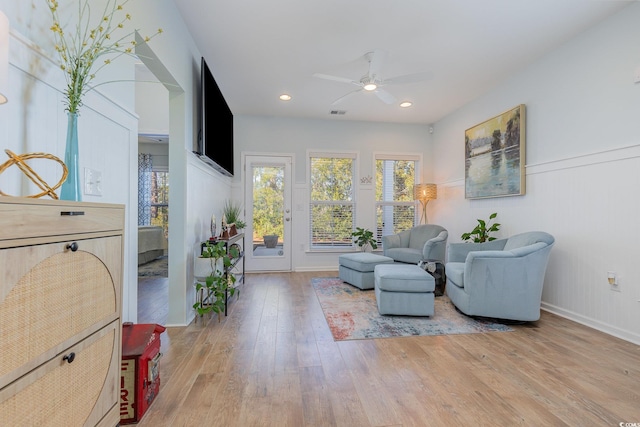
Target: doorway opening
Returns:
[[152, 106]]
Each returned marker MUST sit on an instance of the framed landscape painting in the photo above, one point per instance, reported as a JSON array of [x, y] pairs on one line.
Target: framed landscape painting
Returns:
[[494, 156]]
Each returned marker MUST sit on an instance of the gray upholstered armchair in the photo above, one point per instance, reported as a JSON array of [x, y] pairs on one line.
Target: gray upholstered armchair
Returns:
[[428, 241], [500, 279]]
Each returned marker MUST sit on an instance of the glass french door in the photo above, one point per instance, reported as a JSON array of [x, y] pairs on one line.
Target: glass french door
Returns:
[[268, 213]]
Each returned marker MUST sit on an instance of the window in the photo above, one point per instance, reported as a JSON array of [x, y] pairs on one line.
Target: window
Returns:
[[332, 204], [160, 200], [395, 207], [268, 201]]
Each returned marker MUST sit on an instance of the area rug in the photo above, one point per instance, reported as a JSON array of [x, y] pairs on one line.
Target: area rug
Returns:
[[156, 268], [353, 314]]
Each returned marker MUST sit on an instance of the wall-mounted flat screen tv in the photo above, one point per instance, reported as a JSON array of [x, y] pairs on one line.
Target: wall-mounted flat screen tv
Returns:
[[215, 136]]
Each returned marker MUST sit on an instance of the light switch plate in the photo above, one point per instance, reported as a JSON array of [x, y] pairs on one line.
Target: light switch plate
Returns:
[[92, 182]]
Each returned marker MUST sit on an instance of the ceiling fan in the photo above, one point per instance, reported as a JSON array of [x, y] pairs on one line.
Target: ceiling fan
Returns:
[[372, 81]]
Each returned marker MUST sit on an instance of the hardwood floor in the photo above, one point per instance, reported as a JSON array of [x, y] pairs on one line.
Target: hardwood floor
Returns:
[[153, 300], [273, 362]]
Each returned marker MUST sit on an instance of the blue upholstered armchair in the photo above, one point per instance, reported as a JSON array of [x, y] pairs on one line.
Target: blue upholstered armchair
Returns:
[[501, 279], [428, 241]]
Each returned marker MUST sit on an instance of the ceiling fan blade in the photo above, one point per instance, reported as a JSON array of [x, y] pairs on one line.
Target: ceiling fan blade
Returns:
[[342, 98], [336, 78], [410, 78], [376, 59], [385, 96]]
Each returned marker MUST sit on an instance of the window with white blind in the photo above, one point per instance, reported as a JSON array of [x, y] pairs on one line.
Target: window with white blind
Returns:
[[332, 201], [395, 207]]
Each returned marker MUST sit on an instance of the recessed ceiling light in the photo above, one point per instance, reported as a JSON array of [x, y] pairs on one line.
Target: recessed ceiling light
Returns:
[[370, 86], [285, 97], [406, 104]]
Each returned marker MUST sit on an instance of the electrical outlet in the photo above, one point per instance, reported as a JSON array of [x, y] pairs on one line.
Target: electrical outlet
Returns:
[[614, 281], [92, 182]]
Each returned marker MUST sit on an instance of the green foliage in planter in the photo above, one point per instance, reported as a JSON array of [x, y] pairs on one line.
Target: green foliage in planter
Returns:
[[216, 284], [364, 237], [232, 211], [481, 232]]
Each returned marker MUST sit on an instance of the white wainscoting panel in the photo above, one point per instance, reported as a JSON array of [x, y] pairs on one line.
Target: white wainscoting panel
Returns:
[[590, 205]]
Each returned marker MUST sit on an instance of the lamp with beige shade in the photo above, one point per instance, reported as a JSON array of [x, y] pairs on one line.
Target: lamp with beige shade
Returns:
[[424, 193]]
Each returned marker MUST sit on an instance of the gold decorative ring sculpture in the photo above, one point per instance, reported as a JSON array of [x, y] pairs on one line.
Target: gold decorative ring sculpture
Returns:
[[20, 161]]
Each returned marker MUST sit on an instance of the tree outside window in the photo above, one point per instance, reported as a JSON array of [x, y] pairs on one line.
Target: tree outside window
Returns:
[[332, 206], [268, 202], [395, 207], [160, 200]]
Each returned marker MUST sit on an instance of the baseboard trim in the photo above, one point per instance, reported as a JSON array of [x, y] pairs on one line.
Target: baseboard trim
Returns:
[[312, 269], [592, 323], [176, 325]]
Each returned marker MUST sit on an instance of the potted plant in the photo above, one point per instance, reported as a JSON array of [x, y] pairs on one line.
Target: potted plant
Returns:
[[364, 238], [270, 240], [231, 212], [481, 232], [270, 232], [219, 282]]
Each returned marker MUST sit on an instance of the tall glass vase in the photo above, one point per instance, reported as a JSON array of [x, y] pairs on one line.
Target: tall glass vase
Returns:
[[70, 189]]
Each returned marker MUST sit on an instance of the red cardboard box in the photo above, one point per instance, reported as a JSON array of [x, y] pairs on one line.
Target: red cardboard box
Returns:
[[139, 374]]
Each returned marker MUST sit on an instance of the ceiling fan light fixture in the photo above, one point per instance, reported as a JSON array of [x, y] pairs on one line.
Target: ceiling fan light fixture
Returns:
[[373, 82], [406, 104], [285, 97]]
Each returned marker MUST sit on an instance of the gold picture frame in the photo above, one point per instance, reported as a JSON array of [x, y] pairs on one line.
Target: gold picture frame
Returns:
[[494, 156]]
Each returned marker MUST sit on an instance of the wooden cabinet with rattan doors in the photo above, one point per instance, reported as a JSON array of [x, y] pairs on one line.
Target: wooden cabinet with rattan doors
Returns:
[[60, 305]]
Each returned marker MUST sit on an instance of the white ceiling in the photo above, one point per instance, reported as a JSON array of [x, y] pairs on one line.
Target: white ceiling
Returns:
[[259, 49]]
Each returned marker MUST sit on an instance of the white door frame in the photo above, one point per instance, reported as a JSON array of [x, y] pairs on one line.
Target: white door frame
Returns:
[[280, 262]]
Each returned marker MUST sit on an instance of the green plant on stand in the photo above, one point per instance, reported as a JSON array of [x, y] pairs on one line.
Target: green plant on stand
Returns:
[[218, 284], [481, 232], [232, 211], [364, 238]]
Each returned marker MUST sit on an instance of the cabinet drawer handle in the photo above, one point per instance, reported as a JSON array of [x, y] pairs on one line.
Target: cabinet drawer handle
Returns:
[[71, 213], [73, 246], [69, 357]]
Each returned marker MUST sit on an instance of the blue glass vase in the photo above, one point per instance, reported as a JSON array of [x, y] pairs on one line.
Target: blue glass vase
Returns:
[[70, 189]]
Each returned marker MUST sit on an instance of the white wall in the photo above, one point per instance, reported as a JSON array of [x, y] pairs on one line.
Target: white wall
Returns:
[[152, 104], [204, 195], [296, 136], [34, 120], [583, 170]]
